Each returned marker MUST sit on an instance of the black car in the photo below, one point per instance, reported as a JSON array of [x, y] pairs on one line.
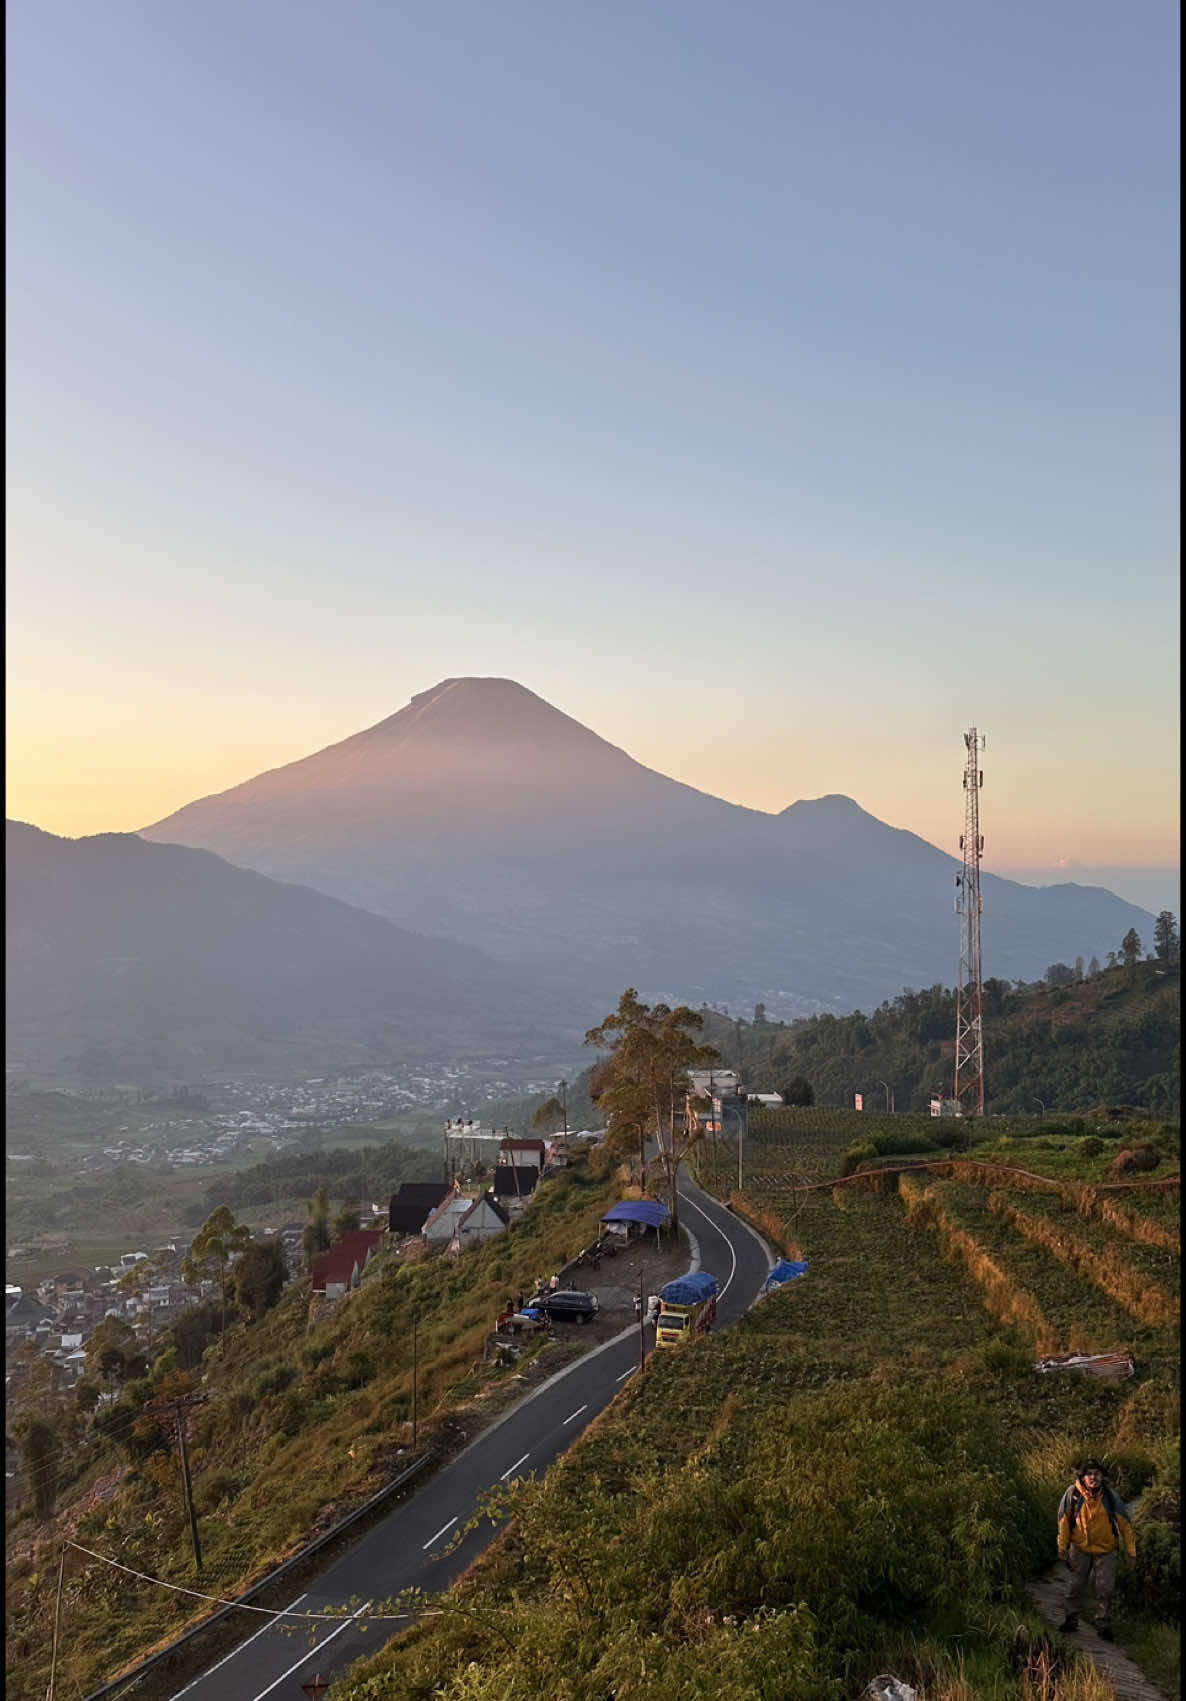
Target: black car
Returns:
[[566, 1305]]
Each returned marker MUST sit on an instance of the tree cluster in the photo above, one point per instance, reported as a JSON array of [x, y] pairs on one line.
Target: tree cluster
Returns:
[[642, 1084]]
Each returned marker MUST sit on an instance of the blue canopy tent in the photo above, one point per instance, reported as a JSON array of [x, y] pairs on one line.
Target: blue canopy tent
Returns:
[[785, 1270], [649, 1212]]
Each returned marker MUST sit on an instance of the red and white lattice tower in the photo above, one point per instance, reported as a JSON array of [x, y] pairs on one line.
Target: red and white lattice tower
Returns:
[[968, 1089]]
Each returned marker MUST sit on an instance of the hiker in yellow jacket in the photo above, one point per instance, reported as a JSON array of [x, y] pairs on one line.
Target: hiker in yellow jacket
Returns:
[[1092, 1524]]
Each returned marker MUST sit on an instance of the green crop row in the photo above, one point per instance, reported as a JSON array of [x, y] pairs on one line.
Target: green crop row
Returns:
[[1145, 1280], [1082, 1319]]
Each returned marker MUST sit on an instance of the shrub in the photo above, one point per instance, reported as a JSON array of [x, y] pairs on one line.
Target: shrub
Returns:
[[291, 1418], [1016, 1363], [1153, 1586], [1091, 1147], [856, 1156], [1151, 1414], [273, 1380], [1136, 1158], [1132, 1469], [901, 1145], [953, 1137], [213, 1490]]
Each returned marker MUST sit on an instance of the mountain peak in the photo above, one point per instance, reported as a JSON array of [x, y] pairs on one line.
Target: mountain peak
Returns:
[[475, 710]]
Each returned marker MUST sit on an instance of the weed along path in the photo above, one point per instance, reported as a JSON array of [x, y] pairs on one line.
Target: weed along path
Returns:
[[417, 1546], [1128, 1682]]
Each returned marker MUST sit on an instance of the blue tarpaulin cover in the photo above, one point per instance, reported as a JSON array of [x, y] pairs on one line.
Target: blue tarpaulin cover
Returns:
[[784, 1271], [648, 1211], [689, 1290]]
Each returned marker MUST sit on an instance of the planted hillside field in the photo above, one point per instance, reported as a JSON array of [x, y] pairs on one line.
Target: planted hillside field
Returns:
[[877, 1291], [1143, 1279], [1077, 1316], [1150, 1215], [812, 1140]]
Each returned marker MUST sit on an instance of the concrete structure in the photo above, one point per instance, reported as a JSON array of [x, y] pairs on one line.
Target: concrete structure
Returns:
[[522, 1153]]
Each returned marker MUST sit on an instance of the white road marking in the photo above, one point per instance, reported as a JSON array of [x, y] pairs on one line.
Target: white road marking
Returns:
[[514, 1467], [576, 1414], [263, 1629], [438, 1535], [723, 1236], [627, 1373], [313, 1652]]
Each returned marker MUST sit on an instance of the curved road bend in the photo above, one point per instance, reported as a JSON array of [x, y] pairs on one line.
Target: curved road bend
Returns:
[[407, 1549]]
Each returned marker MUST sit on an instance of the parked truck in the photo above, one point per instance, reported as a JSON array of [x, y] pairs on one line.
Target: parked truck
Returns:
[[687, 1307]]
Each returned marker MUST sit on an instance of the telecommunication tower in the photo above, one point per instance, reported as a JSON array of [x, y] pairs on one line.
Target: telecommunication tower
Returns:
[[968, 1088]]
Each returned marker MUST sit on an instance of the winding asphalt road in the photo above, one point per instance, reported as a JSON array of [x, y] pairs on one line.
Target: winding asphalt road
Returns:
[[409, 1548]]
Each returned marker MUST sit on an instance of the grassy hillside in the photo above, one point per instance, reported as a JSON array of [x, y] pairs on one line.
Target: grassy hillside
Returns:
[[297, 1421]]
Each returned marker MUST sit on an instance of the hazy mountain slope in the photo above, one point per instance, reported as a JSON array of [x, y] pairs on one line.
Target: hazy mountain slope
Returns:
[[128, 957], [481, 813]]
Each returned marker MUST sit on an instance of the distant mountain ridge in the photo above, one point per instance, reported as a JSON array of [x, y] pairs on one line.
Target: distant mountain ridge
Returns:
[[127, 959], [480, 813]]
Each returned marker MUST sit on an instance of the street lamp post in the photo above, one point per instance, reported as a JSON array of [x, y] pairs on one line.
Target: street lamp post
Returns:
[[888, 1095], [1039, 1104], [564, 1103], [742, 1118]]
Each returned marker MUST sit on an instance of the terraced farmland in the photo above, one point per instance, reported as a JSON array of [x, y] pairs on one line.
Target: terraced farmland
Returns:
[[1150, 1215], [1054, 1303], [877, 1290], [1143, 1279]]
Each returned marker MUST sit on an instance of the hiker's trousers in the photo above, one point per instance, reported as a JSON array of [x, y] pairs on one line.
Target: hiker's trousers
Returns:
[[1096, 1569]]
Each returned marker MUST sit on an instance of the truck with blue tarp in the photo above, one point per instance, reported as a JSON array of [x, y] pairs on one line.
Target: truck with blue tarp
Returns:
[[687, 1307]]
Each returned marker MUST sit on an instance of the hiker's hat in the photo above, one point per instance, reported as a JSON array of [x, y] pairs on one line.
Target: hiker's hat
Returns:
[[1090, 1465]]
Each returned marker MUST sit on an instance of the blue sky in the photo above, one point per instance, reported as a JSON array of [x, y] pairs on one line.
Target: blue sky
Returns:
[[778, 389]]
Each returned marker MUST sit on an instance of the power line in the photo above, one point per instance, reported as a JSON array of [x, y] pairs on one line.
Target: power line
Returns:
[[221, 1600]]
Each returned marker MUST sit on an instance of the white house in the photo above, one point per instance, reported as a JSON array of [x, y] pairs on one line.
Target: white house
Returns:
[[485, 1217], [462, 1222], [441, 1228]]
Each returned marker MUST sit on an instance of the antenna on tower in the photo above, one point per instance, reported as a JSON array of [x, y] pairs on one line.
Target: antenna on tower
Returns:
[[968, 1087]]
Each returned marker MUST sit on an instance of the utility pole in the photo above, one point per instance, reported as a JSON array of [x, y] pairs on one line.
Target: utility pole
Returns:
[[177, 1403], [642, 1339], [968, 1085], [189, 1493], [564, 1103], [53, 1658]]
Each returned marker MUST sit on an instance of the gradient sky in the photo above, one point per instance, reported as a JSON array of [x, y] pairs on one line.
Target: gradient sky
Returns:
[[778, 388]]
